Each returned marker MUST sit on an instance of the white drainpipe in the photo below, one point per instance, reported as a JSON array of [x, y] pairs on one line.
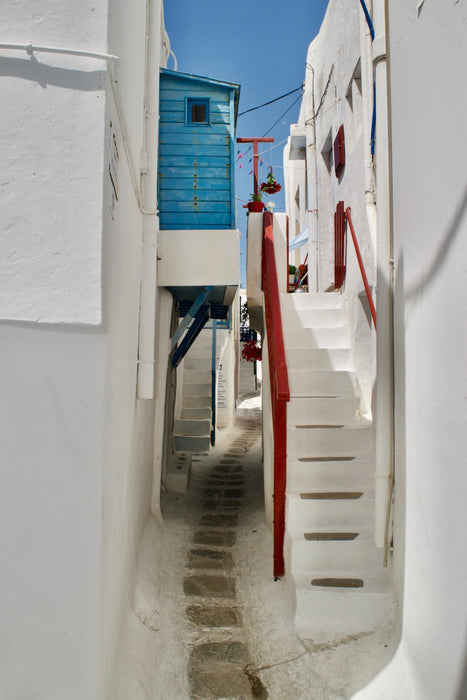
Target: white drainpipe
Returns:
[[312, 187], [384, 355], [150, 221]]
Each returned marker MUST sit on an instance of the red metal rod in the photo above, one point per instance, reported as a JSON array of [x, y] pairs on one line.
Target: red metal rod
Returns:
[[280, 392], [362, 267]]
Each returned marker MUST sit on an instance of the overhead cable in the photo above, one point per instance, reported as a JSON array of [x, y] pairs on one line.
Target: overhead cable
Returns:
[[252, 109]]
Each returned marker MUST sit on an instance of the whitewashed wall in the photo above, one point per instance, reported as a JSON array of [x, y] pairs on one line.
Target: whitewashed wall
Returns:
[[335, 98], [76, 443], [428, 46]]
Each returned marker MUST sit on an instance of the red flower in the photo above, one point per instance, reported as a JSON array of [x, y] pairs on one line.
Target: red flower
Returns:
[[251, 351]]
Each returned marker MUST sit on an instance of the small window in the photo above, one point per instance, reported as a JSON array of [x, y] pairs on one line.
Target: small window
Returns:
[[197, 111]]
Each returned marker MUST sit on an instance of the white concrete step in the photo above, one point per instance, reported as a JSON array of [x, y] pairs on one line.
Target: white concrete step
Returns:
[[197, 363], [306, 382], [352, 441], [187, 443], [313, 300], [332, 556], [354, 475], [324, 613], [196, 413], [307, 515], [196, 389], [196, 375], [317, 337], [309, 318], [192, 427], [322, 411], [197, 401], [318, 358]]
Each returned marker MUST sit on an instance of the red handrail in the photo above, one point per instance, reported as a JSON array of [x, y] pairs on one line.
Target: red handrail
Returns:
[[362, 267], [279, 381]]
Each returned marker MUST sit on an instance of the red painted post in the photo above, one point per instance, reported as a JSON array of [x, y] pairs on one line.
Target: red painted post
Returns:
[[255, 141]]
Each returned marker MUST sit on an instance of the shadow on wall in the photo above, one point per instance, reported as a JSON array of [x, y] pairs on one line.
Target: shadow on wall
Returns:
[[31, 69], [442, 253]]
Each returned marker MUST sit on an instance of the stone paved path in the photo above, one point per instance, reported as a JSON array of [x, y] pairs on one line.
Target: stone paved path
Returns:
[[218, 661]]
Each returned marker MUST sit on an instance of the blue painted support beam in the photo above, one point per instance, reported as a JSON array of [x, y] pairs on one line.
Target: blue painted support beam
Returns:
[[202, 315], [198, 302], [213, 382]]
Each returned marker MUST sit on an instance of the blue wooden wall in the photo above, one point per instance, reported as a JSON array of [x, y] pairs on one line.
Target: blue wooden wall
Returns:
[[196, 161]]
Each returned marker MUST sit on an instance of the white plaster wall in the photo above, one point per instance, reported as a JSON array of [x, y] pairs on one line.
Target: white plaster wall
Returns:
[[331, 60], [51, 191], [427, 58], [77, 444]]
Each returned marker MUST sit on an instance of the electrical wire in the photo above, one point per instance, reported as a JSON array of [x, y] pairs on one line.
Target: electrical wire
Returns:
[[282, 115], [276, 99]]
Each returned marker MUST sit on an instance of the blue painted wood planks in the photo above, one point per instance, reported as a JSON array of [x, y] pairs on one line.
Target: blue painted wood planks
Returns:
[[196, 152]]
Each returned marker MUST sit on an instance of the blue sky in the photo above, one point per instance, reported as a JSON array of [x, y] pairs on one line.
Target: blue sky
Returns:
[[260, 46]]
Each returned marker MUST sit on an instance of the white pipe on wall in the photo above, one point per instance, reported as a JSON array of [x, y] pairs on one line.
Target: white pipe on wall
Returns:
[[312, 186], [147, 319], [384, 354]]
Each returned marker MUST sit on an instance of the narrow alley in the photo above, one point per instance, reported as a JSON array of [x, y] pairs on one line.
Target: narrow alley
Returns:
[[216, 623]]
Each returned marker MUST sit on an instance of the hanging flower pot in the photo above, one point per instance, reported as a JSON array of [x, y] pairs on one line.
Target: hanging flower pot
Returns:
[[271, 186]]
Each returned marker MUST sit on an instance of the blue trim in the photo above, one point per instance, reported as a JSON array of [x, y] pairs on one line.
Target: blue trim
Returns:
[[192, 333], [232, 160], [368, 19]]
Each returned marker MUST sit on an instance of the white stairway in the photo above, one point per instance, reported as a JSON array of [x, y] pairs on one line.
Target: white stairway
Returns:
[[334, 569], [192, 431]]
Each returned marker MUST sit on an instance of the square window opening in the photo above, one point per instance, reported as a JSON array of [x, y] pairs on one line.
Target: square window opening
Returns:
[[197, 111]]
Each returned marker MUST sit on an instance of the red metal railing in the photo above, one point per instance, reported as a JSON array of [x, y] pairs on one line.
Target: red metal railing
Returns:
[[361, 266], [279, 381], [340, 246]]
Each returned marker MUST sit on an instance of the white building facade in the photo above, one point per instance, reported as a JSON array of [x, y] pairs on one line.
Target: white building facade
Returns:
[[403, 181], [80, 457]]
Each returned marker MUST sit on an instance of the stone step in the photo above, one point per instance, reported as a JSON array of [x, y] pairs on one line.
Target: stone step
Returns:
[[197, 363], [196, 413], [318, 337], [196, 402], [192, 427], [196, 389], [308, 383], [318, 442], [312, 300], [318, 358], [196, 375], [331, 515], [325, 613], [332, 555], [313, 410], [193, 443], [358, 475]]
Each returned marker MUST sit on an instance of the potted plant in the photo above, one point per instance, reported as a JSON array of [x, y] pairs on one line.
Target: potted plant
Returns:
[[256, 202], [271, 186], [292, 273]]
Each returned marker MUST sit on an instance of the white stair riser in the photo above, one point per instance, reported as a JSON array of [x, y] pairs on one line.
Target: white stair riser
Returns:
[[192, 427], [308, 318], [308, 515], [333, 556], [322, 411], [321, 615], [194, 364], [197, 401], [318, 358], [321, 383], [196, 413], [329, 442], [313, 300], [318, 337], [357, 475], [196, 389], [196, 375], [186, 443]]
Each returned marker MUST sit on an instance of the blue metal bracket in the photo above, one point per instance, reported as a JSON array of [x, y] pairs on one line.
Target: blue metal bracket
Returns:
[[197, 304], [213, 381], [201, 316]]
